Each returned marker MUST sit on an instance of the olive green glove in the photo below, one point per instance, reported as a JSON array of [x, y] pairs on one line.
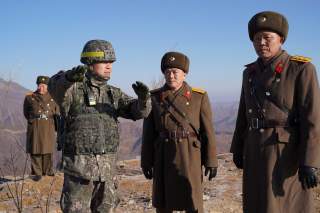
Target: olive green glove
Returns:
[[141, 90], [76, 74]]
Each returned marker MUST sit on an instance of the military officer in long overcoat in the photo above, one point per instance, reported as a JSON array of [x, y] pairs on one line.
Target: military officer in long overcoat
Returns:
[[277, 136], [178, 139], [39, 109]]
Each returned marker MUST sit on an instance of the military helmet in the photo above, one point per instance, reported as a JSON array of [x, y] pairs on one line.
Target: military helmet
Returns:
[[175, 60], [96, 51], [42, 79], [268, 21]]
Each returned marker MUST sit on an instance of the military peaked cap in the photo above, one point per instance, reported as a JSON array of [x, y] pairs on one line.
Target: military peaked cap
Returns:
[[175, 60], [42, 79], [268, 21]]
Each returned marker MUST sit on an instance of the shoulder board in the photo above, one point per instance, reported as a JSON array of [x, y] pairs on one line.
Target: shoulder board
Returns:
[[198, 90], [29, 93], [300, 59], [155, 90]]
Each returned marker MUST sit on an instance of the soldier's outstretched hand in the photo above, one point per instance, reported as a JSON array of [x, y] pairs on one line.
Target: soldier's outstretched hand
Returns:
[[76, 74], [141, 90], [148, 173], [212, 171]]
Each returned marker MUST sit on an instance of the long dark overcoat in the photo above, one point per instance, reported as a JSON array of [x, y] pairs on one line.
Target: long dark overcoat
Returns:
[[278, 130], [39, 110], [176, 159]]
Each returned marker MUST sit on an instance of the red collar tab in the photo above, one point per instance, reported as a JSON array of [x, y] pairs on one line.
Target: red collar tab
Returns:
[[187, 94], [279, 67]]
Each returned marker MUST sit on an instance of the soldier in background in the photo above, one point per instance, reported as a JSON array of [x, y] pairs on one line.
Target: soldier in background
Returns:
[[39, 109], [178, 139], [277, 136], [91, 108]]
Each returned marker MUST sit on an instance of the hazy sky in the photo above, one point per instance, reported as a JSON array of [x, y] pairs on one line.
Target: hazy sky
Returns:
[[43, 37]]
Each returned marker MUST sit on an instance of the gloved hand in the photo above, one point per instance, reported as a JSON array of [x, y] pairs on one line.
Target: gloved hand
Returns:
[[141, 90], [307, 177], [212, 171], [238, 160], [147, 172], [59, 147], [76, 74]]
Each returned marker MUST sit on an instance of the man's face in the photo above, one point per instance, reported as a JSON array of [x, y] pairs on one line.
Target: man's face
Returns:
[[42, 88], [174, 78], [267, 44], [102, 70]]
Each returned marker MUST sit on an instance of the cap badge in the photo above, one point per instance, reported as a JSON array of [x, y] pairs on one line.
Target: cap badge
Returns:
[[263, 19], [172, 58]]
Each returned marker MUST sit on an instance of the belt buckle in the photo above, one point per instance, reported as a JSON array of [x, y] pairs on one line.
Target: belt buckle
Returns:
[[254, 123], [183, 134], [174, 134]]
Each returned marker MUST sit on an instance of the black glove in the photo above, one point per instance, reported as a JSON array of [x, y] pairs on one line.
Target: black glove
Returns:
[[76, 74], [212, 171], [59, 147], [307, 177], [238, 160], [147, 172], [141, 90]]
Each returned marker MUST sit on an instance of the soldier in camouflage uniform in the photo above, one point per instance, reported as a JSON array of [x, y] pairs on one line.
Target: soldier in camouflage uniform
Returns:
[[90, 108]]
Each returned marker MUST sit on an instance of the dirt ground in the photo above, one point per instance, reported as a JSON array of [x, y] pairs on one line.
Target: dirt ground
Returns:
[[222, 195]]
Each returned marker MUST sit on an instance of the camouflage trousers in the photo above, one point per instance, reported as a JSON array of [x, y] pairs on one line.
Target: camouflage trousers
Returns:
[[83, 196]]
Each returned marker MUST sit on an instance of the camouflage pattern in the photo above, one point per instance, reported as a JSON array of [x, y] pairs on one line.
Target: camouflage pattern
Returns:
[[111, 104], [91, 138], [96, 51], [81, 195]]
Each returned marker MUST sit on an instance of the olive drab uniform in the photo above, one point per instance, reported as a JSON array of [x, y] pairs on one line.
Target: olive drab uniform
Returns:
[[40, 110], [278, 130], [91, 139], [178, 138]]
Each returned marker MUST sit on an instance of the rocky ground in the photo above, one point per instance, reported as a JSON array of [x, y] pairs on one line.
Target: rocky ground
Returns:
[[222, 195]]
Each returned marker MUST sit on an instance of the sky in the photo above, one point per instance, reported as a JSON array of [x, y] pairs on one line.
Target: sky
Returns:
[[43, 37]]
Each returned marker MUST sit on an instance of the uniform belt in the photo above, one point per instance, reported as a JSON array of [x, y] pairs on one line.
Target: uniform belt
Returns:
[[177, 134], [42, 116], [256, 123]]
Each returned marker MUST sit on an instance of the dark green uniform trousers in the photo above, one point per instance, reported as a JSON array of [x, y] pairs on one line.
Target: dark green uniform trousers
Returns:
[[41, 164]]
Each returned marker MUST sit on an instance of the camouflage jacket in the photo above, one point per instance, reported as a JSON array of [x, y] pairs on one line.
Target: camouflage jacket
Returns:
[[74, 107]]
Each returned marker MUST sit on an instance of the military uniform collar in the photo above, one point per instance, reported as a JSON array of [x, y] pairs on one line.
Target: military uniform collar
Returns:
[[92, 80], [275, 62], [185, 91]]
